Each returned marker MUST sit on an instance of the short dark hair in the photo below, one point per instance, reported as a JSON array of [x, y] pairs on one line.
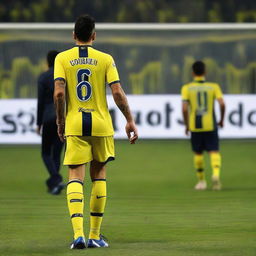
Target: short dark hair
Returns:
[[198, 68], [51, 55], [84, 26]]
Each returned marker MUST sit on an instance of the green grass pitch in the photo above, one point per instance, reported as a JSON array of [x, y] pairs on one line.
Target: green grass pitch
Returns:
[[152, 208]]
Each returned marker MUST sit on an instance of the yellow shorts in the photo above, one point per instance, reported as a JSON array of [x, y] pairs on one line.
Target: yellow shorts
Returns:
[[84, 149]]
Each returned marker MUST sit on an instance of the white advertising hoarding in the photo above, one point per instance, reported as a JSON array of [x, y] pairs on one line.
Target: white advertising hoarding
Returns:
[[157, 116], [18, 121]]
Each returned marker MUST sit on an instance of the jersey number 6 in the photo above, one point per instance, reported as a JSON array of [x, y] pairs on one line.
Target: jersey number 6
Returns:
[[83, 88]]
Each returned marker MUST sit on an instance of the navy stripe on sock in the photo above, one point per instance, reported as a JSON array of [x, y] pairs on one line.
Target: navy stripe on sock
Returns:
[[77, 215], [96, 214], [98, 180], [78, 181], [76, 200]]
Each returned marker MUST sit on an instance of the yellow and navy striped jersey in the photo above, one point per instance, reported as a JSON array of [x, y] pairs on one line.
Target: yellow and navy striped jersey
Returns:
[[201, 96], [86, 72]]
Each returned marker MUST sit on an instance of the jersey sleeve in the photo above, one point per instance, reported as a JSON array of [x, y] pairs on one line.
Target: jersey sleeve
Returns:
[[184, 93], [59, 72], [112, 76], [218, 92]]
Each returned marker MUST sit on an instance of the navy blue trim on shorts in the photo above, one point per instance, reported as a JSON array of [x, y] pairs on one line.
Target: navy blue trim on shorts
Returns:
[[83, 51], [114, 82], [111, 158], [86, 124]]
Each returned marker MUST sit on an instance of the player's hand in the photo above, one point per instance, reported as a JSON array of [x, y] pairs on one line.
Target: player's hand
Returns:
[[221, 124], [187, 131], [38, 129], [131, 131], [61, 130]]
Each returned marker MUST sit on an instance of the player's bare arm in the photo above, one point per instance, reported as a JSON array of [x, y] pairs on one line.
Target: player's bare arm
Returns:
[[59, 101], [38, 129], [185, 106], [222, 111], [122, 103]]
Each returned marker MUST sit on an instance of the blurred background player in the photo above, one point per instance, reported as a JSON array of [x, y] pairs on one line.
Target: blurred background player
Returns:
[[81, 74], [198, 113], [46, 121]]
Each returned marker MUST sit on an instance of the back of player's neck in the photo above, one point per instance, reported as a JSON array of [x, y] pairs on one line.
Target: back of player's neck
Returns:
[[199, 78], [84, 43]]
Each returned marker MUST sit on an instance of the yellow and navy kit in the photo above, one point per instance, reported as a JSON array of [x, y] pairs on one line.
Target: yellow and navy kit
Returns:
[[80, 150], [201, 96], [86, 72]]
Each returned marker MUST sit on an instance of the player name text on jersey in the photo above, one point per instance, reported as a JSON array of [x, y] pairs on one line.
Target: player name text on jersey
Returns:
[[82, 61]]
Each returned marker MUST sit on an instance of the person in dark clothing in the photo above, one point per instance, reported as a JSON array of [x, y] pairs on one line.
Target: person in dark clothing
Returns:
[[46, 122]]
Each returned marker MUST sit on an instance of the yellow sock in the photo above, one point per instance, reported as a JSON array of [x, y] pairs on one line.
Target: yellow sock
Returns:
[[75, 198], [215, 163], [199, 165], [97, 207]]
